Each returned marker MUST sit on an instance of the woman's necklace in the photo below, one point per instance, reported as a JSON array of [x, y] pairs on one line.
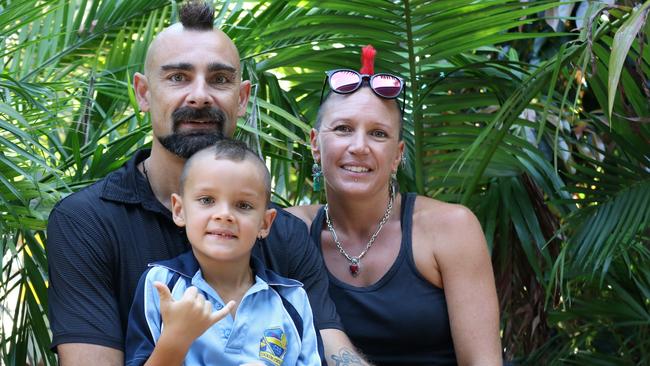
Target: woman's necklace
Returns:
[[355, 262]]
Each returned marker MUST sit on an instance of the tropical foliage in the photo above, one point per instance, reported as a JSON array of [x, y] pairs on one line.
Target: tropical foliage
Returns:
[[533, 113]]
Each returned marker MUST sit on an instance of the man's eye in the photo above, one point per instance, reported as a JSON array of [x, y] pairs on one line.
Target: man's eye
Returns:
[[205, 200], [220, 79], [177, 77]]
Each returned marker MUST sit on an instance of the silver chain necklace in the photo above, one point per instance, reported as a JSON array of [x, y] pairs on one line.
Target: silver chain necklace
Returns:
[[355, 262]]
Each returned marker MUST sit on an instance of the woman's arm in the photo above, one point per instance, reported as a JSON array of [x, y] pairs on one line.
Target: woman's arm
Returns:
[[461, 255]]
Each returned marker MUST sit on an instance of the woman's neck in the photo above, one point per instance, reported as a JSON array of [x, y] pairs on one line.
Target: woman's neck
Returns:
[[359, 218]]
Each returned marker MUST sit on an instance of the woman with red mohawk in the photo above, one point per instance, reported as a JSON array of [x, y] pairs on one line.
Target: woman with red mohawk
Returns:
[[411, 276]]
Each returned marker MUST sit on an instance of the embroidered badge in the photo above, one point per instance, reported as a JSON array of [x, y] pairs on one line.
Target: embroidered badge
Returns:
[[273, 346]]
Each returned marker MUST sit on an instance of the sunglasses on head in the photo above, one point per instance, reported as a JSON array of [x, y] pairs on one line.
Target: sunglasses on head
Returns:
[[345, 81]]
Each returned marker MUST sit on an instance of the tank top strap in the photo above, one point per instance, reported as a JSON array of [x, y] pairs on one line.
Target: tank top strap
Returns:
[[408, 206], [408, 202]]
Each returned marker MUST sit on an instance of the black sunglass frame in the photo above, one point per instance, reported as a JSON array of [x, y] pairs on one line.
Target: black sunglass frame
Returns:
[[363, 78]]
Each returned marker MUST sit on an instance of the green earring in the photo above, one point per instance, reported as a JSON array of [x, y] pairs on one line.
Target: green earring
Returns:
[[317, 177]]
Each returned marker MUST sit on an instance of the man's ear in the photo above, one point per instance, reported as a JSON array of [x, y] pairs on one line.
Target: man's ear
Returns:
[[244, 94], [315, 147], [267, 221], [141, 88], [177, 210]]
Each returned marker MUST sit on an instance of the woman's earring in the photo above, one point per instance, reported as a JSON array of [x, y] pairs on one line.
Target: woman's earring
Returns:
[[393, 185], [317, 177]]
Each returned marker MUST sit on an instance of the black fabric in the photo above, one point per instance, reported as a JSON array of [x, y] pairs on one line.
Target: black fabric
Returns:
[[401, 319], [101, 239]]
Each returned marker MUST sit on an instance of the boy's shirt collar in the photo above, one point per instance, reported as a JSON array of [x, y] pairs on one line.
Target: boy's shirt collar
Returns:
[[186, 265]]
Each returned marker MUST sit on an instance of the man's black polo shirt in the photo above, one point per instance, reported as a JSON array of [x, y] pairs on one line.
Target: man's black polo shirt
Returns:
[[101, 239]]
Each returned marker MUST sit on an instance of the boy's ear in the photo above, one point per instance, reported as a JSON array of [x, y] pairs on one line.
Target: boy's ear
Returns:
[[177, 210], [267, 221]]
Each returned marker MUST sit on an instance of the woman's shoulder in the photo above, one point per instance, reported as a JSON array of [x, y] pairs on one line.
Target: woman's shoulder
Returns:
[[450, 213], [444, 219], [306, 212]]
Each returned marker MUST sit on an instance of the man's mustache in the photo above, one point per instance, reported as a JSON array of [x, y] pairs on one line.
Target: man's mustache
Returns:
[[207, 114]]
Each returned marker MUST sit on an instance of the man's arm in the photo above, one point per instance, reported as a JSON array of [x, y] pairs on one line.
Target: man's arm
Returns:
[[339, 351], [83, 312], [79, 354]]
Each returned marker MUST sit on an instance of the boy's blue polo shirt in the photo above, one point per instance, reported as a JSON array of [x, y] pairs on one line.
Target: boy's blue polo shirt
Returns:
[[262, 331]]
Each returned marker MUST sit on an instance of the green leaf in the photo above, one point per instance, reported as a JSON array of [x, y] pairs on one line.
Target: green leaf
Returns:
[[620, 48]]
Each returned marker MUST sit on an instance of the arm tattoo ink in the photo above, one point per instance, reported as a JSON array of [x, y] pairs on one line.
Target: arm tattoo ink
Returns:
[[347, 357]]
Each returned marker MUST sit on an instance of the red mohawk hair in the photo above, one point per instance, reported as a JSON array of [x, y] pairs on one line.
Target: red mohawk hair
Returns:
[[368, 60]]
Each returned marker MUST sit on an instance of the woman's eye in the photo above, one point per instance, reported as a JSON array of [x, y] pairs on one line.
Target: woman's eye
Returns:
[[342, 128], [379, 133]]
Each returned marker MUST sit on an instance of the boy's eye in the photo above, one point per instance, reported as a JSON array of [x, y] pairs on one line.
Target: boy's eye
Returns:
[[244, 206], [206, 200]]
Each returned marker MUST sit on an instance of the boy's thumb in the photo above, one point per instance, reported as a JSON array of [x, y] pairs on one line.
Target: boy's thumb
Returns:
[[163, 292], [220, 314]]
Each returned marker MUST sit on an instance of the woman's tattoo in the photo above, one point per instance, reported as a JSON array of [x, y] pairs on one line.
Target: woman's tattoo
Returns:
[[347, 357]]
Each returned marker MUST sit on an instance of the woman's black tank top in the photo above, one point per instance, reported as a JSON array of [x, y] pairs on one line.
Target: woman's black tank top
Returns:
[[402, 319]]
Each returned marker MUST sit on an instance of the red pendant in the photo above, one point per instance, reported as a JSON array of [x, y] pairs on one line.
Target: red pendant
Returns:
[[354, 269]]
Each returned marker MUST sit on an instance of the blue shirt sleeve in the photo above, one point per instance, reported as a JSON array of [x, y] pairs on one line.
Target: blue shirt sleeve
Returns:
[[309, 355], [145, 322]]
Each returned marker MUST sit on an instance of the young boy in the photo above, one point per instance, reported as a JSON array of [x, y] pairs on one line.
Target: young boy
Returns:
[[261, 318]]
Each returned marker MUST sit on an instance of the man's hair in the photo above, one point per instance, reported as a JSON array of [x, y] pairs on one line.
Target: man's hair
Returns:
[[197, 15], [232, 150]]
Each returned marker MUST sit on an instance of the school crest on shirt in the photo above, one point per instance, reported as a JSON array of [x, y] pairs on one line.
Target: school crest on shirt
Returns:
[[273, 346]]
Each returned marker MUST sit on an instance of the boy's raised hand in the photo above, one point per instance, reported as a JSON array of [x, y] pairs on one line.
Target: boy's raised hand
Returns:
[[183, 321], [186, 319]]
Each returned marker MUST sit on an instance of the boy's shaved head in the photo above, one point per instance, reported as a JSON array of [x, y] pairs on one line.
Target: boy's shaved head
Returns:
[[233, 150]]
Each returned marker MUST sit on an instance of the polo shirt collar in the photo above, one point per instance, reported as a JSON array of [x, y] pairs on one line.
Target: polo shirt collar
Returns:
[[186, 265], [128, 185]]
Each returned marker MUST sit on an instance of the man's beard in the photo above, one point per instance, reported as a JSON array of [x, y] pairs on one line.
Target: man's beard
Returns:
[[185, 145]]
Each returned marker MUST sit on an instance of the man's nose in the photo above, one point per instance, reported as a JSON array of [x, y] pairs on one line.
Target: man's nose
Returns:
[[199, 94]]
